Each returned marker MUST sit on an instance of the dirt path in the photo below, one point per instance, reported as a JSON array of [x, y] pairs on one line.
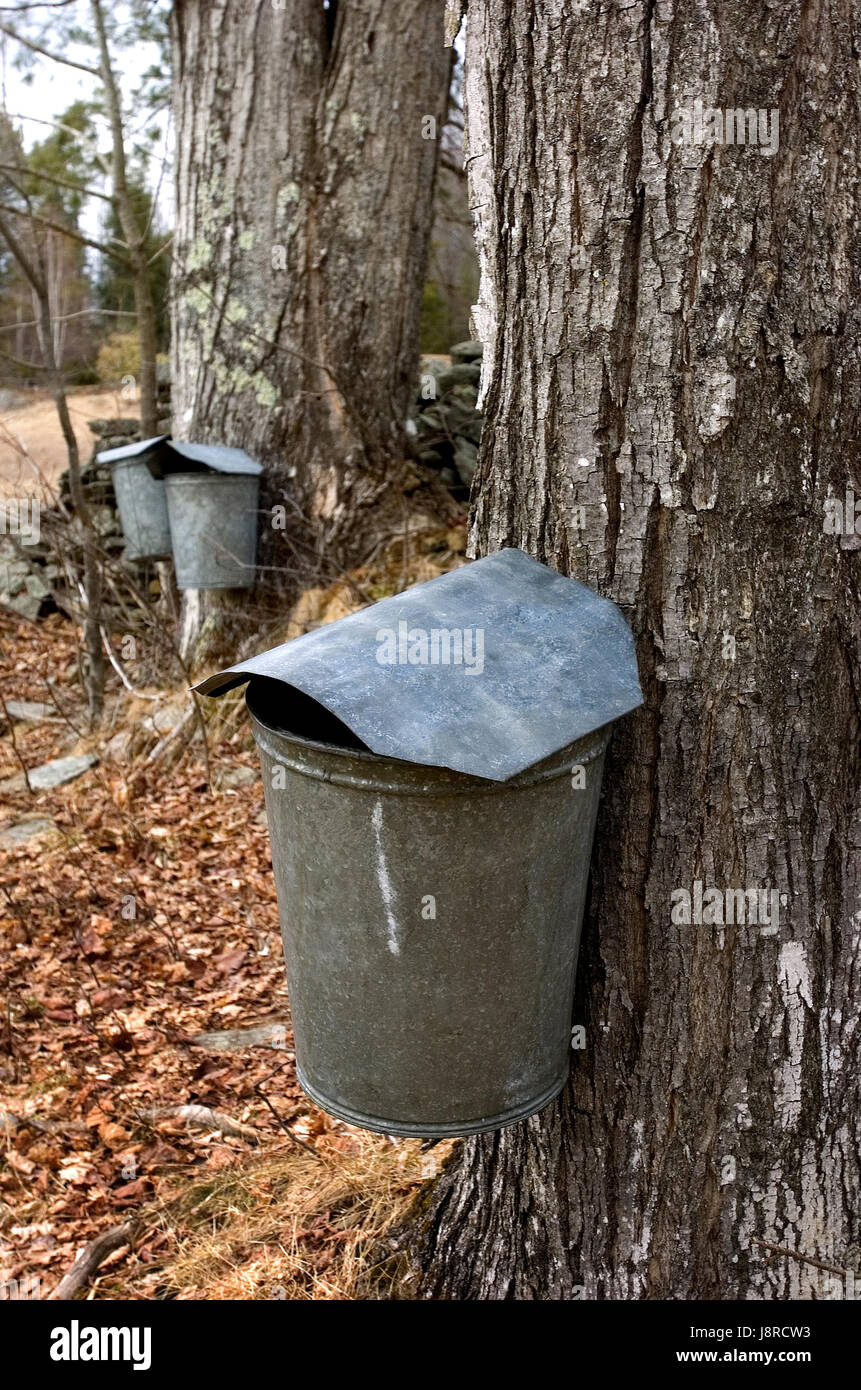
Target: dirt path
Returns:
[[30, 437]]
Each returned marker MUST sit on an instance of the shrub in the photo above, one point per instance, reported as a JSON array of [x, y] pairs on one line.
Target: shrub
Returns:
[[119, 356]]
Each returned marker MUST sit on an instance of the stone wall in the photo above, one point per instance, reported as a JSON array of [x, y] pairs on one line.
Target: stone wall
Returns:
[[32, 582], [448, 426]]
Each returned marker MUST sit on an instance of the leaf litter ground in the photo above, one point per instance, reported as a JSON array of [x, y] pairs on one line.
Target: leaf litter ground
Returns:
[[140, 915]]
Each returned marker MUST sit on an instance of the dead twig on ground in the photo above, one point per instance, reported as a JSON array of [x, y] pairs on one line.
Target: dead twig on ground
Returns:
[[95, 1254], [15, 749], [290, 1135], [162, 746], [205, 1117], [138, 694], [10, 1123]]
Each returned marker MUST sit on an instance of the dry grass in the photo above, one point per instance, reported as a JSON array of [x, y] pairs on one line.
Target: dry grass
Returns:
[[30, 429], [295, 1226]]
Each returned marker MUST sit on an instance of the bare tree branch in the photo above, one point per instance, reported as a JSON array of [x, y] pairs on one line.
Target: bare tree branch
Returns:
[[67, 129], [161, 250], [52, 178], [46, 53], [19, 362], [34, 269], [67, 231], [64, 318], [38, 5], [452, 165], [30, 269]]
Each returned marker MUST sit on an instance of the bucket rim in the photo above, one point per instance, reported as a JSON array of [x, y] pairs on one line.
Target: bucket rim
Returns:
[[135, 461], [208, 476], [148, 555], [446, 1129]]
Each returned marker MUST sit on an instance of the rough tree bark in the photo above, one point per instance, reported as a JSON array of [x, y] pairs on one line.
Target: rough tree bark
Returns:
[[672, 343], [306, 163]]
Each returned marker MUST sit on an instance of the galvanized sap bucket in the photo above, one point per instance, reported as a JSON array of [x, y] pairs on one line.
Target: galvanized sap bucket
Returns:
[[140, 498], [212, 506], [432, 770]]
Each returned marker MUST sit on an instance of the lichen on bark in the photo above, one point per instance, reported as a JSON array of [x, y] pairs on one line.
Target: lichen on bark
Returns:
[[671, 391], [304, 190]]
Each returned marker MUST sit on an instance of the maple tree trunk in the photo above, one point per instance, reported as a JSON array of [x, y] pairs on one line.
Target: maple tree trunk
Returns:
[[134, 231], [672, 343], [307, 146]]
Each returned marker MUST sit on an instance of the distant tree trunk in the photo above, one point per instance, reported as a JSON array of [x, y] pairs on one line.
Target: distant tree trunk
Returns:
[[307, 148], [135, 232], [672, 343], [32, 262]]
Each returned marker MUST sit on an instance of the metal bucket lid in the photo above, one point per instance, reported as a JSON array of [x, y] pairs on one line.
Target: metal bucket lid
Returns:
[[536, 661], [130, 451], [182, 456]]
